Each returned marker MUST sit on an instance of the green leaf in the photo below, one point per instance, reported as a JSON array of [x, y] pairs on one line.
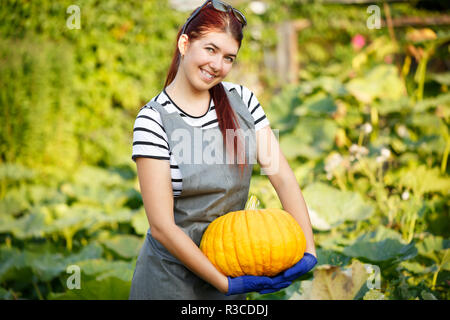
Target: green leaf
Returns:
[[445, 261], [91, 251], [330, 85], [420, 179], [14, 202], [381, 251], [311, 138], [28, 226], [319, 104], [139, 221], [431, 245], [381, 82], [332, 258], [442, 78], [425, 104], [16, 172], [110, 288], [12, 260], [126, 246], [417, 268], [45, 266], [330, 207], [100, 269], [381, 246]]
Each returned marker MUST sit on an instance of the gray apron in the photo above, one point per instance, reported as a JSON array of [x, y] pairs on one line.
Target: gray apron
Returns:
[[208, 191]]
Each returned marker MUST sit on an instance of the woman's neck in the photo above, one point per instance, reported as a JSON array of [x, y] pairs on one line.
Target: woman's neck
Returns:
[[192, 101], [180, 88]]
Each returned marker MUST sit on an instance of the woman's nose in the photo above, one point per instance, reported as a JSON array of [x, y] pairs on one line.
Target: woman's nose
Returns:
[[216, 63]]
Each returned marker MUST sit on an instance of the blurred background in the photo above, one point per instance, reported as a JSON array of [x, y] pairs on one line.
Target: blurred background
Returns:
[[357, 89]]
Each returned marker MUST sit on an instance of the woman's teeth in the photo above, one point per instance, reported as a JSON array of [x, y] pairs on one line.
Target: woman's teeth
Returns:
[[208, 75]]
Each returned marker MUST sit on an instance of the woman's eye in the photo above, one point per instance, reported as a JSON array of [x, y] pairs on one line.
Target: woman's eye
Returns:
[[230, 59], [210, 49]]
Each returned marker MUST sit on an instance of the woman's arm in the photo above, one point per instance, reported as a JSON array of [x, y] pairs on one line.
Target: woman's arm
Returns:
[[156, 188], [272, 161]]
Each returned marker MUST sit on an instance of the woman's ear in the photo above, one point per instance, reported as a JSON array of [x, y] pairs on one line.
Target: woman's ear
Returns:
[[183, 43]]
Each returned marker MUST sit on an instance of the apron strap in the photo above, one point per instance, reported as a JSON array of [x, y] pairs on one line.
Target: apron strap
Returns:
[[240, 107], [158, 107], [235, 101]]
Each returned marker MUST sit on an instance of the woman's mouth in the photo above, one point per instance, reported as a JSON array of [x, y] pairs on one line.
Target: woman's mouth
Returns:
[[206, 76]]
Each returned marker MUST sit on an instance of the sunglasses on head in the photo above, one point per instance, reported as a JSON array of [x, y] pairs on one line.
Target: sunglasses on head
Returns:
[[219, 6]]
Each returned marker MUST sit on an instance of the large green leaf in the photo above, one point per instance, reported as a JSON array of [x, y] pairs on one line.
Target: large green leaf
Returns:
[[12, 259], [385, 107], [29, 225], [442, 78], [329, 207], [331, 85], [319, 104], [139, 221], [45, 266], [432, 244], [14, 202], [381, 82], [110, 288], [382, 245], [425, 104], [16, 172], [95, 176], [101, 268], [311, 138], [281, 107], [417, 268], [380, 251], [420, 179], [126, 246], [91, 251], [43, 263], [332, 258]]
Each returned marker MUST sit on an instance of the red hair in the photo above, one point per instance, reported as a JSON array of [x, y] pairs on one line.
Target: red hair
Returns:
[[212, 20]]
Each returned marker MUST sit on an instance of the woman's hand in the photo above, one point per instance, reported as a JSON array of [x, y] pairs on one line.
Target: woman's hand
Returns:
[[300, 268], [244, 284], [263, 284], [305, 265]]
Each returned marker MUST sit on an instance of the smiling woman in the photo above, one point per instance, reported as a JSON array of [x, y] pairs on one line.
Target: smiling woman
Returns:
[[182, 198]]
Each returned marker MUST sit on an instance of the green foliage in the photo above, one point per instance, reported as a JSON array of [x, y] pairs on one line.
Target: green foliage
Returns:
[[368, 144], [82, 86], [365, 133]]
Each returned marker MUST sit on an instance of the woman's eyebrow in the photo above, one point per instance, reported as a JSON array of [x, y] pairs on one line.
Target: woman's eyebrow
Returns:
[[231, 54]]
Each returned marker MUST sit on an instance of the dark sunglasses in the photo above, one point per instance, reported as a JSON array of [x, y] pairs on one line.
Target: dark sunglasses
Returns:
[[219, 6]]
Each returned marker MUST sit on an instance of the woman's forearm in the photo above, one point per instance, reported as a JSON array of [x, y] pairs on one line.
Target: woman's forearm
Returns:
[[293, 202], [184, 249]]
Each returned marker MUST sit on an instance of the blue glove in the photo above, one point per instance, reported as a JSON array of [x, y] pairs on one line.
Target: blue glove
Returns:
[[300, 268], [288, 276], [244, 284]]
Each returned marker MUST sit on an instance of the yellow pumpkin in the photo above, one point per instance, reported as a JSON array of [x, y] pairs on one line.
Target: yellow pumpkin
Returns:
[[254, 242]]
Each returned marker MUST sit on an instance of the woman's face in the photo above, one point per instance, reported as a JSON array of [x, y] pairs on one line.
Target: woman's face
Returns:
[[208, 60]]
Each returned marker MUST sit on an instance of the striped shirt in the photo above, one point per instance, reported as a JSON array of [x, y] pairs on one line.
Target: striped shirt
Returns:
[[150, 139]]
